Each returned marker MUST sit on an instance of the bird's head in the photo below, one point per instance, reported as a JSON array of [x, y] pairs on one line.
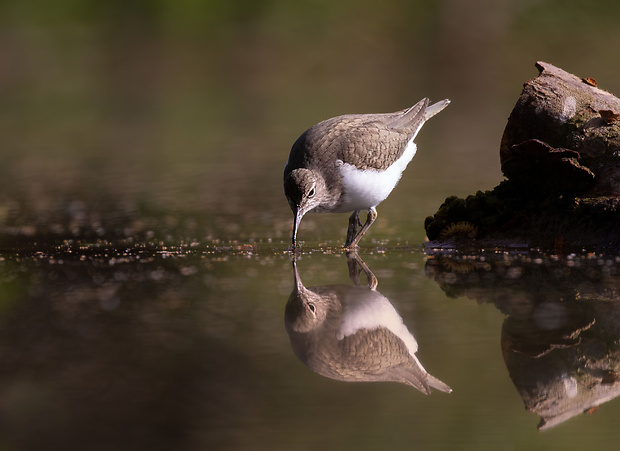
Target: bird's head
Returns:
[[305, 190], [307, 309]]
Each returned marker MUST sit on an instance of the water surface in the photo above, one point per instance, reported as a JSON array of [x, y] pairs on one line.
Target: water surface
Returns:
[[144, 272], [186, 348]]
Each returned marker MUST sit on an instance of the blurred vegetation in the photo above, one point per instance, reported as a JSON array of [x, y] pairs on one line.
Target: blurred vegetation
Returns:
[[143, 110], [161, 122]]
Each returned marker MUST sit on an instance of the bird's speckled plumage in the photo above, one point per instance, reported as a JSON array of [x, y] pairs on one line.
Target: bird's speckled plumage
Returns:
[[367, 141], [336, 147], [354, 334]]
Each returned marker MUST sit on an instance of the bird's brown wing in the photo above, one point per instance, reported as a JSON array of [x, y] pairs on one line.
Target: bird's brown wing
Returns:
[[367, 141], [379, 355]]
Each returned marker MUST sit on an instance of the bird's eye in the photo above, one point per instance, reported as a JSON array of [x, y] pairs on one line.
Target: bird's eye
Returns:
[[311, 193]]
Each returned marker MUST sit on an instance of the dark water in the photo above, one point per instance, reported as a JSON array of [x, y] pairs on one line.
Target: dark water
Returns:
[[186, 348], [144, 272]]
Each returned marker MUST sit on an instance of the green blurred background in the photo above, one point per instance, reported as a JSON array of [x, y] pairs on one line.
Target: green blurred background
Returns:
[[174, 118], [150, 123]]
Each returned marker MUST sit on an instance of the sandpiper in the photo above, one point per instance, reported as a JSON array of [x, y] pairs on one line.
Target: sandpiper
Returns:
[[351, 163], [354, 334]]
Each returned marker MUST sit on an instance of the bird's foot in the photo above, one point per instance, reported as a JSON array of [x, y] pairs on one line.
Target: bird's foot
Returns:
[[356, 267], [354, 237]]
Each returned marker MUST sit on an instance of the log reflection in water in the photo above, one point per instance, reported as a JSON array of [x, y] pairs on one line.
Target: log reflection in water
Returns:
[[561, 337]]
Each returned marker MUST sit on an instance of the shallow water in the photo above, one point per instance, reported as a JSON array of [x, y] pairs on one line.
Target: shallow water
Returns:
[[186, 348], [144, 271]]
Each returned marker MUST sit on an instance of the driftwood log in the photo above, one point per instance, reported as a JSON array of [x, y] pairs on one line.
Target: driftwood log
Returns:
[[560, 154]]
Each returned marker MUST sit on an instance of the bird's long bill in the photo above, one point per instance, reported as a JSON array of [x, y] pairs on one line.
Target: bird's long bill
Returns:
[[298, 285], [298, 215]]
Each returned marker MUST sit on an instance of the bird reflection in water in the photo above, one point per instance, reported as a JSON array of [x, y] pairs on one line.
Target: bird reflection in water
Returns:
[[353, 333]]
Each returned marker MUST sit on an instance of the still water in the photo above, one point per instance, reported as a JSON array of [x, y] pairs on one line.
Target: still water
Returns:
[[144, 272], [159, 347]]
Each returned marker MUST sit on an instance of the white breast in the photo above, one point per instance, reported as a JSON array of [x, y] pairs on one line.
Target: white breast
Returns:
[[364, 189], [366, 309]]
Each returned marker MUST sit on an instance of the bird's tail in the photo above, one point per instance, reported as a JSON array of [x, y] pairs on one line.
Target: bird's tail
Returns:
[[411, 118], [435, 108], [428, 380], [437, 384]]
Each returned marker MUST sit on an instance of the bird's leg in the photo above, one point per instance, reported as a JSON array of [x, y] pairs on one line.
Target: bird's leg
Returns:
[[354, 220], [354, 269], [352, 243], [356, 266]]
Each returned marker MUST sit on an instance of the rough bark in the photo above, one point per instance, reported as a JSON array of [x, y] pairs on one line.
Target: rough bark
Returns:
[[560, 154], [565, 112]]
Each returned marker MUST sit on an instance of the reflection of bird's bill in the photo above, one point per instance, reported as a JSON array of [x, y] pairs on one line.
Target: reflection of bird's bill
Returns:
[[354, 333], [299, 286]]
